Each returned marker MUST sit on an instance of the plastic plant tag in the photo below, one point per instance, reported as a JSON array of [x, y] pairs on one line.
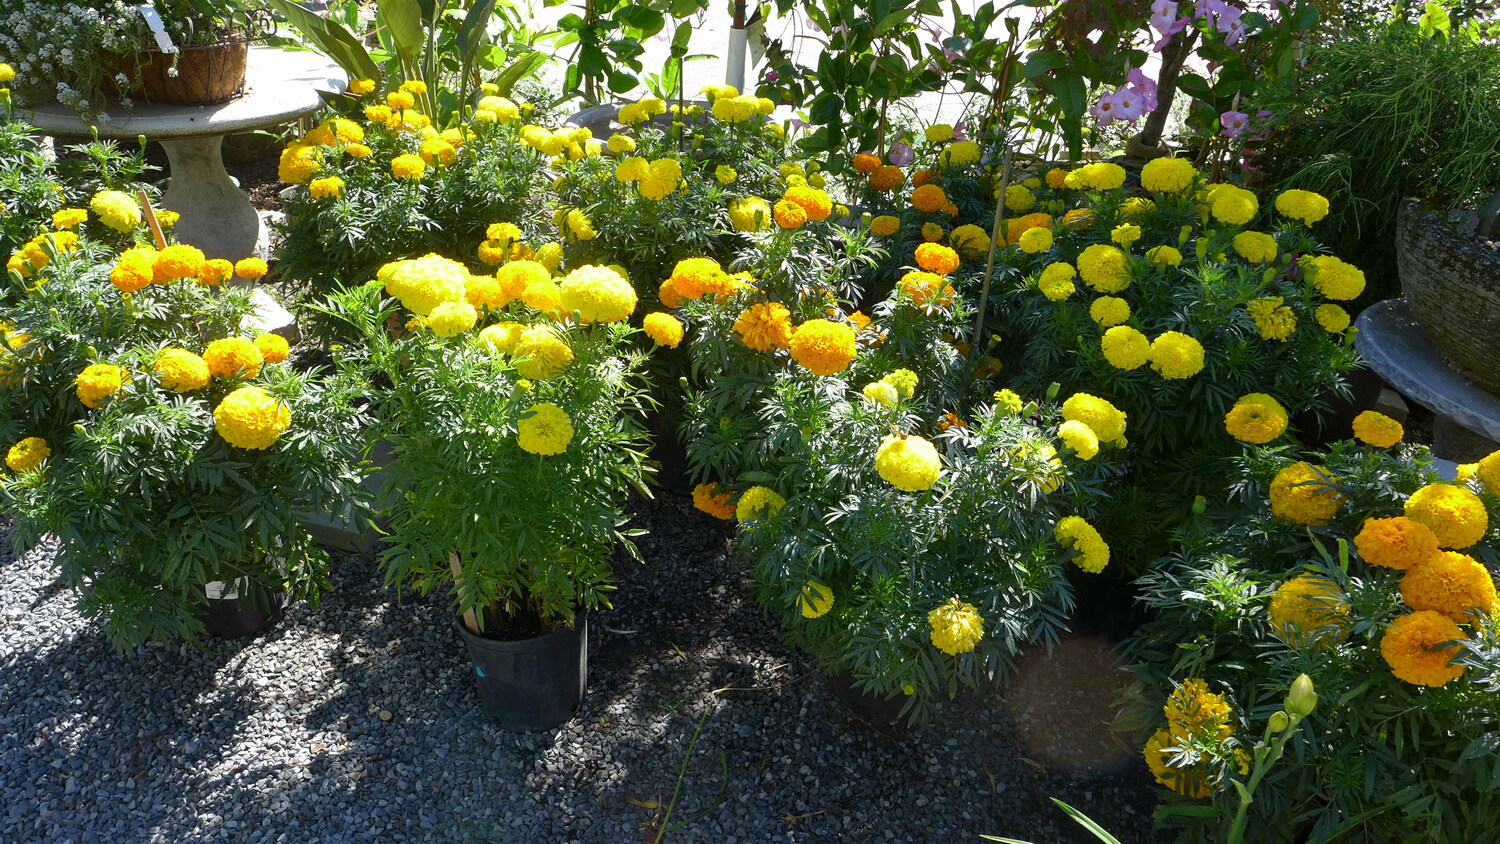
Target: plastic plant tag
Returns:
[[158, 29], [220, 590]]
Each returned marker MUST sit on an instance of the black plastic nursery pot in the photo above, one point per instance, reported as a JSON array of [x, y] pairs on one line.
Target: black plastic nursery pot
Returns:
[[531, 684], [247, 611], [863, 703]]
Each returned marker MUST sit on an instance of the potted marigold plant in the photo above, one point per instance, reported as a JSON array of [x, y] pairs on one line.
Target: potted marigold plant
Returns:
[[509, 405], [169, 454]]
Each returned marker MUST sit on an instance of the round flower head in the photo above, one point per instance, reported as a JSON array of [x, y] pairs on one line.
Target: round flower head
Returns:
[[815, 599], [597, 294], [215, 272], [69, 218], [1332, 318], [1410, 647], [822, 346], [516, 276], [298, 163], [1035, 240], [500, 338], [1302, 205], [789, 215], [886, 177], [757, 501], [1056, 280], [1333, 277], [97, 382], [956, 627], [1107, 421], [1190, 781], [1274, 320], [1256, 247], [765, 326], [1176, 355], [178, 261], [541, 353], [1019, 199], [904, 380], [927, 290], [1166, 256], [1455, 514], [1104, 268], [250, 268], [1488, 472], [865, 162], [423, 283], [749, 214], [973, 242], [1091, 552], [1168, 175], [881, 393], [28, 454], [885, 225], [1450, 583], [1307, 608], [1125, 348], [1100, 175], [1256, 418], [1395, 543], [908, 463], [1109, 311], [408, 167], [450, 319], [959, 154], [273, 347], [1302, 495], [1195, 712], [134, 269], [707, 498], [116, 209], [928, 198], [181, 371], [1377, 429], [937, 258], [663, 329], [814, 202], [233, 357], [484, 291], [1008, 402], [1080, 438], [251, 418], [544, 429], [1232, 205], [327, 187]]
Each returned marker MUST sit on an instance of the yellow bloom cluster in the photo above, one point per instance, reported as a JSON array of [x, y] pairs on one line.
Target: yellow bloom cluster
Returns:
[[1166, 256], [1273, 318], [1332, 277], [544, 429], [541, 353], [1332, 318], [1106, 420], [1056, 280], [298, 163], [1256, 418], [1308, 609], [1395, 543], [1125, 348], [757, 500], [1233, 205], [663, 329], [407, 167], [28, 454], [1168, 175], [937, 258], [822, 346], [908, 463], [423, 283], [738, 108], [1092, 552], [1193, 712], [707, 498], [815, 599], [1450, 583], [1080, 438], [1410, 647], [1302, 205], [1176, 355], [597, 294], [1256, 247], [1019, 199], [1100, 175], [765, 326], [1104, 268], [971, 241], [960, 154], [97, 382], [116, 209], [1377, 429], [180, 370], [233, 357], [1035, 240], [661, 178], [1109, 311], [904, 380], [177, 261], [642, 110], [450, 319], [69, 218], [1454, 514], [956, 627], [134, 269], [251, 418], [1302, 495]]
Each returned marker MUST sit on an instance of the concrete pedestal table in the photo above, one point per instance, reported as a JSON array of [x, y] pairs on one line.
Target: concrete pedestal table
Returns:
[[1467, 426], [217, 216]]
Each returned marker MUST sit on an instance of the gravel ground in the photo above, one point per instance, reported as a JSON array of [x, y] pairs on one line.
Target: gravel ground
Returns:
[[357, 721]]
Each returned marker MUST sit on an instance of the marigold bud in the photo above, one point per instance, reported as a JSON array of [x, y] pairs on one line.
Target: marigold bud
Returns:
[[1302, 700]]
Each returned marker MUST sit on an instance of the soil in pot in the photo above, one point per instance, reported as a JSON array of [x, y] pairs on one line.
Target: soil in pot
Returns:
[[237, 611], [532, 683]]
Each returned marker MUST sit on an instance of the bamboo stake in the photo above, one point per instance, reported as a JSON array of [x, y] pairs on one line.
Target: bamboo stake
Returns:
[[469, 620], [161, 239]]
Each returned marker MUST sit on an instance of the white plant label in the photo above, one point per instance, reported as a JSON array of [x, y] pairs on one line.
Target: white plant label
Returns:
[[158, 29], [220, 590]]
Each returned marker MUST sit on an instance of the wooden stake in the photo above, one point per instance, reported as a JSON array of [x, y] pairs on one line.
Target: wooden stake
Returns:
[[161, 239], [469, 620]]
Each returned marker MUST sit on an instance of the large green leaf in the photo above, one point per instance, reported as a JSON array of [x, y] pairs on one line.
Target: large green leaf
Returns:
[[331, 38], [473, 32], [403, 20]]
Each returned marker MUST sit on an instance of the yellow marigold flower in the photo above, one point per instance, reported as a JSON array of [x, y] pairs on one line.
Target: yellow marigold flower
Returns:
[[1056, 280], [1125, 234], [378, 114], [327, 187], [749, 214], [437, 152], [68, 218], [250, 268], [815, 599], [932, 232], [1109, 311], [28, 454], [215, 271], [1176, 355], [1455, 514], [758, 500], [1078, 218], [1410, 647], [1107, 421], [1125, 348], [541, 353], [116, 209], [1079, 437], [7, 73], [400, 100], [450, 319], [517, 276], [423, 283], [1333, 318], [500, 338], [886, 177], [1377, 429], [1332, 277], [251, 418], [937, 258], [97, 382], [408, 168], [928, 198], [1450, 583], [695, 278], [362, 86], [1395, 543], [358, 150], [1190, 782], [788, 215], [181, 371], [1056, 177], [1302, 205], [866, 163], [971, 241], [1306, 609], [959, 154], [1194, 711], [1488, 472], [1104, 268], [1019, 199], [927, 290], [1256, 247], [937, 133], [725, 174], [177, 261], [765, 326], [1303, 495], [908, 463], [663, 329], [882, 393], [1100, 175], [1135, 207], [815, 203], [273, 347], [1168, 175], [1091, 551], [904, 380], [544, 429], [483, 291], [956, 627], [134, 269], [1273, 319], [233, 357], [708, 499], [885, 225], [662, 178], [597, 294], [1008, 402], [550, 255], [1232, 205], [1035, 240], [621, 144], [1256, 418], [504, 109], [298, 163], [822, 346]]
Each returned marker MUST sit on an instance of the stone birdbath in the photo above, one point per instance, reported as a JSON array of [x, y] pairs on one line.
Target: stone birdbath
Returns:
[[217, 217]]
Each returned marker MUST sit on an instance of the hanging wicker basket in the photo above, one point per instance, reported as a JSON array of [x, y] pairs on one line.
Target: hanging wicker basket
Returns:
[[205, 74]]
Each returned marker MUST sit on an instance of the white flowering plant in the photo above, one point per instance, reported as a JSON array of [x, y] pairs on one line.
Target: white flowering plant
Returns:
[[514, 434], [1363, 568]]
